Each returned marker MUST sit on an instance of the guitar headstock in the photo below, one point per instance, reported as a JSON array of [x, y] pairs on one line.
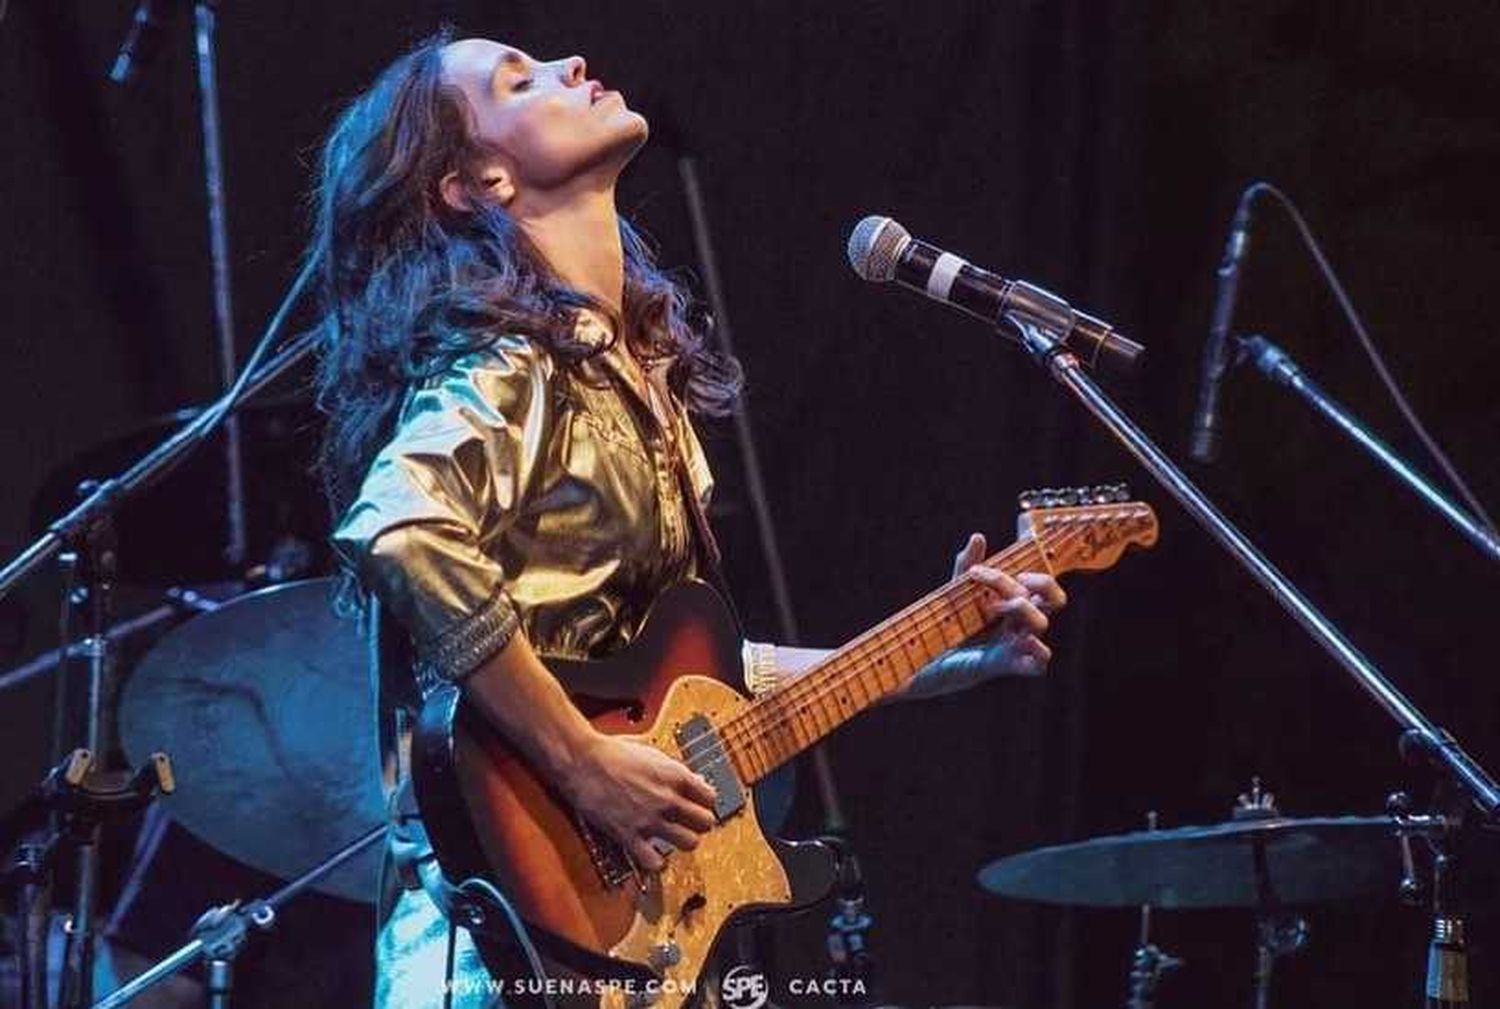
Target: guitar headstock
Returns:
[[1085, 528]]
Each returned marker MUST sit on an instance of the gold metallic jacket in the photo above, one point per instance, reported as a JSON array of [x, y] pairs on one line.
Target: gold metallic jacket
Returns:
[[516, 493]]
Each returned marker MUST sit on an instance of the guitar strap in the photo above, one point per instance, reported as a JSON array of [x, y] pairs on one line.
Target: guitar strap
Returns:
[[710, 560], [706, 544]]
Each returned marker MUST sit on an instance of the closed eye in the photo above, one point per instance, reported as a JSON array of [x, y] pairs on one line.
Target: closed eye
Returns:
[[522, 85]]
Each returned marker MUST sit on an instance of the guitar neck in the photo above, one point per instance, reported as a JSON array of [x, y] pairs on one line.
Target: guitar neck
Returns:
[[879, 663]]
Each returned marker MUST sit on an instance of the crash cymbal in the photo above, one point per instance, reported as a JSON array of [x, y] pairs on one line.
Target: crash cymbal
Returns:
[[266, 710], [1304, 861]]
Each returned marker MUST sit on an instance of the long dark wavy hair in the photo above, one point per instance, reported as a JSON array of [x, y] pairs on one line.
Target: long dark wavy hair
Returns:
[[407, 284]]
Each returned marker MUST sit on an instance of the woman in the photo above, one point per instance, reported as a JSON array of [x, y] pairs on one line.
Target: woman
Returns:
[[508, 378]]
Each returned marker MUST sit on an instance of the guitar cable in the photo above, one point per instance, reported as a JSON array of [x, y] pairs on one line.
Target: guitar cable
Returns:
[[518, 929]]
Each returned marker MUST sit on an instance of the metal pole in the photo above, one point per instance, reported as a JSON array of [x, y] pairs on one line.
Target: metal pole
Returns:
[[687, 166], [222, 932], [1277, 365], [151, 467], [206, 21], [1437, 742]]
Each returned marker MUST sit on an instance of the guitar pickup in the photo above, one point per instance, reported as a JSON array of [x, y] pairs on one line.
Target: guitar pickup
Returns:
[[703, 750]]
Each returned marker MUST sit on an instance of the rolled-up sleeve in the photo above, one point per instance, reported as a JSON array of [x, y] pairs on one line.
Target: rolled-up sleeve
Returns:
[[443, 489]]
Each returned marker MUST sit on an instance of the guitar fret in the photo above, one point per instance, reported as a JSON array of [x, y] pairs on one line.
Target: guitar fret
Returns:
[[907, 642], [879, 662], [930, 632], [950, 623]]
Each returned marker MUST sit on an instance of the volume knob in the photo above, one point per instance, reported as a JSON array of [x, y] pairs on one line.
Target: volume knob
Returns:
[[665, 954]]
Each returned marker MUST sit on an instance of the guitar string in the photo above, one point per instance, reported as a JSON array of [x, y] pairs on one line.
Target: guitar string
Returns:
[[859, 658], [753, 722], [792, 692], [802, 691], [750, 723]]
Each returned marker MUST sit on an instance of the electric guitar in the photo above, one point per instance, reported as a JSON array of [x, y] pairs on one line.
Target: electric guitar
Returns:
[[494, 823]]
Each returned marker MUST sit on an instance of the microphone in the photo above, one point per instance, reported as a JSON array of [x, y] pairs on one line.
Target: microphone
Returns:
[[1204, 445], [881, 250]]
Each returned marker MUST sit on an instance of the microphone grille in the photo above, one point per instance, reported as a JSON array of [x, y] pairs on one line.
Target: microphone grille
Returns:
[[874, 246]]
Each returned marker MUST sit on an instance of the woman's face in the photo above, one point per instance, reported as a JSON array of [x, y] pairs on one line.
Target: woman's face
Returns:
[[547, 123]]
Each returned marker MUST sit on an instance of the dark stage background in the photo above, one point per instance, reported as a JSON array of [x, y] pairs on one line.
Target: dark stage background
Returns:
[[1096, 148]]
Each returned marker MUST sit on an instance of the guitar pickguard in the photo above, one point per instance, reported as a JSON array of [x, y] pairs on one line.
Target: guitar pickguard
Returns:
[[683, 909]]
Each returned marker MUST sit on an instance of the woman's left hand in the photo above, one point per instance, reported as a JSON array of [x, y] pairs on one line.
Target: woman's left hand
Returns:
[[1019, 606]]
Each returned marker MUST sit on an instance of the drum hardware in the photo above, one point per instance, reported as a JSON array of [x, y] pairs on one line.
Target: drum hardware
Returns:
[[81, 792], [77, 798], [222, 932], [852, 970], [1446, 984], [267, 706], [178, 601], [1263, 861], [1150, 962], [1277, 932]]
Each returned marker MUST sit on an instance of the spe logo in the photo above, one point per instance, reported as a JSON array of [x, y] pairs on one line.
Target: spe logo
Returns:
[[744, 987]]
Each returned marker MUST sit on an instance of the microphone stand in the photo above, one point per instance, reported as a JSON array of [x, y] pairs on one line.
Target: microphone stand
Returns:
[[157, 463], [847, 928], [85, 536], [1418, 735], [221, 933], [205, 27], [1418, 732], [136, 52], [1278, 366]]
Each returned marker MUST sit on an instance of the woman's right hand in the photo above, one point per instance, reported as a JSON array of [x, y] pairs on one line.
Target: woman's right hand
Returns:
[[638, 794]]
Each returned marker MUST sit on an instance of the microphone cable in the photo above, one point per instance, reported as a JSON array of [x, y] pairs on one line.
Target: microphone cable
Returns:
[[1357, 324]]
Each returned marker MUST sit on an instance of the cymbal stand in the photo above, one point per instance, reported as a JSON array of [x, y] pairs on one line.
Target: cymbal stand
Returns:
[[178, 601], [88, 790], [1447, 982], [1150, 962], [1446, 985], [221, 933], [1276, 935], [852, 971], [1277, 932], [77, 797]]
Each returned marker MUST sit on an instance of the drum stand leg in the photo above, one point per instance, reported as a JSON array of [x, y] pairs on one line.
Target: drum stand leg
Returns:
[[1275, 935], [1150, 962], [220, 982]]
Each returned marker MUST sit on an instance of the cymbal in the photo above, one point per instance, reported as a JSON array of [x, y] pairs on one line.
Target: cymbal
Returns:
[[266, 710], [1305, 861]]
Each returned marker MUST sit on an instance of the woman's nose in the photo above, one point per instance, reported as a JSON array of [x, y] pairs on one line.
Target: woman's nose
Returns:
[[574, 69]]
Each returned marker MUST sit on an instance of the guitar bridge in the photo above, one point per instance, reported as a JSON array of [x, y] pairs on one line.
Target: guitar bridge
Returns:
[[703, 750], [610, 860]]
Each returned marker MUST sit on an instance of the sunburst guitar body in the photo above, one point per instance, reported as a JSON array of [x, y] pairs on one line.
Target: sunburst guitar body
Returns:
[[625, 937]]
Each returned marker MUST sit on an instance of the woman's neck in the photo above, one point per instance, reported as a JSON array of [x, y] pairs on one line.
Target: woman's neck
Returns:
[[578, 234]]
